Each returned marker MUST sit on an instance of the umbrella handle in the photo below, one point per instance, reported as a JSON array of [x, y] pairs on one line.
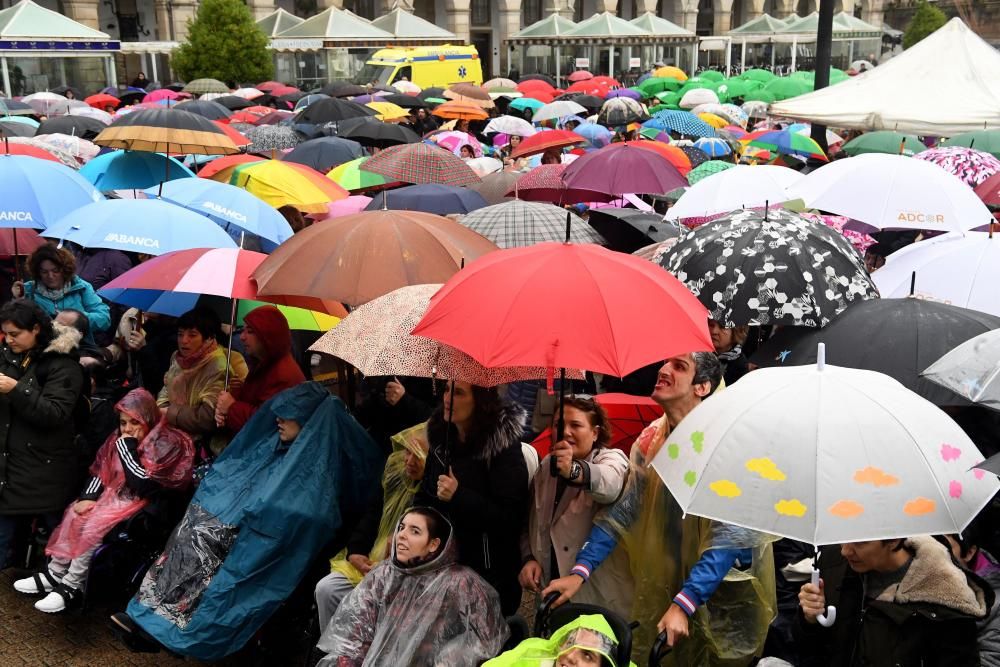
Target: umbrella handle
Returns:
[[830, 617]]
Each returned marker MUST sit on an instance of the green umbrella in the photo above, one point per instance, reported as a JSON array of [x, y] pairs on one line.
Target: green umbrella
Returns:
[[711, 75], [787, 87], [760, 96], [657, 84], [696, 82], [706, 169], [981, 140], [299, 319], [663, 107], [735, 88], [884, 141], [667, 97], [350, 177], [761, 75]]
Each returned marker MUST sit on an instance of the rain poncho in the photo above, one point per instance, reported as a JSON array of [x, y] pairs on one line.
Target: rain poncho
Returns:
[[588, 632], [397, 494], [663, 545], [166, 455], [436, 614], [257, 521]]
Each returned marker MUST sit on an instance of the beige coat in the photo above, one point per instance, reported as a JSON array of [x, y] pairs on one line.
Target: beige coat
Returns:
[[567, 526]]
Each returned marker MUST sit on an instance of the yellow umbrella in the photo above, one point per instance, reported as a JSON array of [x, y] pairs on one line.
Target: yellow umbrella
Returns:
[[387, 111], [282, 183], [718, 122], [671, 72]]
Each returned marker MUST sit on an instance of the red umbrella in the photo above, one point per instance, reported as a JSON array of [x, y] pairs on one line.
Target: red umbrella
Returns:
[[563, 305], [267, 86], [580, 75], [223, 163], [542, 141], [673, 154], [237, 138], [589, 88], [606, 81], [278, 91], [621, 168], [102, 101], [7, 148], [533, 85], [19, 241], [541, 95], [544, 183], [989, 190], [628, 415]]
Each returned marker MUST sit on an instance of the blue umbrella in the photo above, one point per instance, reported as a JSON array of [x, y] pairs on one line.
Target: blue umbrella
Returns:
[[233, 208], [132, 170], [24, 120], [148, 226], [714, 147], [35, 193], [681, 122], [597, 135], [430, 198], [523, 103]]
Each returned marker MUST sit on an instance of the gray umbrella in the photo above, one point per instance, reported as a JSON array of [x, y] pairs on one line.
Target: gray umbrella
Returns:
[[267, 138], [520, 223], [494, 187], [971, 370]]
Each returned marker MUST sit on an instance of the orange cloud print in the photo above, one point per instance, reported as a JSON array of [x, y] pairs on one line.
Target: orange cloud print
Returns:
[[919, 506], [846, 509], [875, 477]]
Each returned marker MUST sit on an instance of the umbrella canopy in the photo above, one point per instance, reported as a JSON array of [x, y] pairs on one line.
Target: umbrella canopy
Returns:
[[202, 86], [146, 226], [525, 104], [713, 148], [557, 110], [771, 267], [919, 333], [77, 126], [324, 153], [981, 140], [430, 198], [968, 164], [494, 186], [989, 190], [509, 309], [226, 164], [388, 111], [10, 128], [350, 176], [421, 163], [893, 192], [454, 141], [272, 138], [518, 223], [9, 148], [788, 143], [971, 370], [26, 188], [460, 111], [596, 135], [741, 186], [371, 132], [281, 183], [791, 451], [376, 340], [622, 168], [343, 89], [884, 141], [333, 110], [211, 110], [960, 269], [19, 242], [544, 183], [510, 125], [248, 93], [628, 230], [620, 111], [706, 169], [46, 104], [233, 208], [299, 319], [543, 141], [405, 101], [11, 107], [680, 122], [132, 170], [335, 260], [166, 131]]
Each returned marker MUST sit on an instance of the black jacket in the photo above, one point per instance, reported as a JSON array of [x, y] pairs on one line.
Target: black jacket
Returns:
[[38, 468], [491, 501], [929, 618]]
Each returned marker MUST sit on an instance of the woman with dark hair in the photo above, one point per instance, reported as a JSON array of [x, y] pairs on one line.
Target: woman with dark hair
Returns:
[[588, 477], [419, 607], [41, 390], [55, 286], [476, 476], [729, 346]]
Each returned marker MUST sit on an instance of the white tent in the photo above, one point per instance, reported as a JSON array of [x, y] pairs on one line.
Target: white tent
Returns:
[[945, 85]]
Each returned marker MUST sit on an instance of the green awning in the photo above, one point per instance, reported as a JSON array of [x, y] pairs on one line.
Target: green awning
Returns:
[[554, 25], [277, 22], [656, 25], [28, 21], [765, 24], [404, 25], [335, 24]]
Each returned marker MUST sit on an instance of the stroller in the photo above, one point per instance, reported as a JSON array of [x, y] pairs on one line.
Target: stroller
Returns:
[[549, 619]]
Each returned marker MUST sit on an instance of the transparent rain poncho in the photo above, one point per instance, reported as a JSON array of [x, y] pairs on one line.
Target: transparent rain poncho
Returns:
[[436, 614], [663, 545]]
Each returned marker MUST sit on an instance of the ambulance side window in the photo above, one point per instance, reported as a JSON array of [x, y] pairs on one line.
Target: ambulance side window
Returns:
[[403, 74]]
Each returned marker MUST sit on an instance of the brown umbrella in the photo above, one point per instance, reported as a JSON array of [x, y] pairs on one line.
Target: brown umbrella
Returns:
[[469, 94], [166, 131], [495, 186], [356, 258]]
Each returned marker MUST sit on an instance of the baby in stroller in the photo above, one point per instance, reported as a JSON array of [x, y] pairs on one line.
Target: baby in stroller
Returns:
[[587, 641]]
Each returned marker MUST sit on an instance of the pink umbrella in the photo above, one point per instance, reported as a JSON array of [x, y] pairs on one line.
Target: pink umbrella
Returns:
[[453, 141], [580, 75], [341, 207], [971, 166], [161, 94], [861, 242]]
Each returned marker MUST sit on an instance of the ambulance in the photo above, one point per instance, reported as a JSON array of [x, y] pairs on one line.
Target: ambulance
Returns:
[[426, 66]]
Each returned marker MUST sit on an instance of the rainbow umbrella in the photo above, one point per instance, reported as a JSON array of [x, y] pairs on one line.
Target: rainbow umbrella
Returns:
[[299, 319], [350, 177], [281, 183], [789, 143]]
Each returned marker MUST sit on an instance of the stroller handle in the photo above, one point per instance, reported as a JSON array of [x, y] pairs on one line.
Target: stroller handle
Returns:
[[659, 650], [542, 615]]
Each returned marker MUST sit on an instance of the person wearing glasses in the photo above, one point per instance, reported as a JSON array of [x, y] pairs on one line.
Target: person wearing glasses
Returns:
[[588, 476], [55, 286]]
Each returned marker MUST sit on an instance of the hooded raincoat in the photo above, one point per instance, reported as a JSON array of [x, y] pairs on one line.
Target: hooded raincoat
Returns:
[[589, 632], [77, 294], [191, 387], [663, 546], [258, 520], [274, 373], [435, 614], [165, 455]]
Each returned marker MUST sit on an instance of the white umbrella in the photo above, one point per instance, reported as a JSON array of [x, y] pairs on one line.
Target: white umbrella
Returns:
[[247, 93], [971, 370], [697, 97], [91, 112], [46, 103], [962, 269], [893, 192], [511, 125], [407, 87], [556, 110], [825, 455], [743, 186], [484, 165]]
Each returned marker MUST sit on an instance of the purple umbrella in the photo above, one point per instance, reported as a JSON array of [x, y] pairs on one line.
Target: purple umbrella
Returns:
[[625, 92], [620, 169], [374, 97]]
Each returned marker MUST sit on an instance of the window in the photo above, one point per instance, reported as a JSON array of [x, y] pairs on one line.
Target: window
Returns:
[[531, 11], [481, 12]]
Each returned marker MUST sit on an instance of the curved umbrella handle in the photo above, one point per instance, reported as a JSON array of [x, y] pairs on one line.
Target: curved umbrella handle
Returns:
[[830, 617]]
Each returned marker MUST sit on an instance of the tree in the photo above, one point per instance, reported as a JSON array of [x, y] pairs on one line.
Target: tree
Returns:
[[926, 20], [223, 43]]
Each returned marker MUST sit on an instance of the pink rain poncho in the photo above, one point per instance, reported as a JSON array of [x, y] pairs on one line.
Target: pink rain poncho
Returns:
[[167, 456]]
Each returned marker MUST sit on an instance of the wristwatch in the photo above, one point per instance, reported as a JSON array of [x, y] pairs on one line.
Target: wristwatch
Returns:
[[575, 471]]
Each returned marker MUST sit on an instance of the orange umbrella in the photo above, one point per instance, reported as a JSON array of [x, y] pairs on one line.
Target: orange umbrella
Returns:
[[542, 141], [237, 138], [460, 111], [227, 164], [675, 155]]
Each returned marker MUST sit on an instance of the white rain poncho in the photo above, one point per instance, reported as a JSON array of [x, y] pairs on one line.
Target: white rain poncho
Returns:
[[436, 614]]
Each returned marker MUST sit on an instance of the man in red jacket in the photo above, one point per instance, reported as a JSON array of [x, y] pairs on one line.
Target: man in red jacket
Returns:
[[267, 343]]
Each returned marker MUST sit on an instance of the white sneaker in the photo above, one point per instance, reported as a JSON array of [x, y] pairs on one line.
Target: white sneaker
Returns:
[[29, 585], [52, 603]]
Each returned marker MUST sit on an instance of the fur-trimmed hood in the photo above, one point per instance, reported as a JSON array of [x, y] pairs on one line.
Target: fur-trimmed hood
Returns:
[[507, 429], [934, 578], [66, 340]]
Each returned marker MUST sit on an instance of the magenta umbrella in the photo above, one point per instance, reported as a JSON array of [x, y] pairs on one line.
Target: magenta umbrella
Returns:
[[621, 168], [161, 94]]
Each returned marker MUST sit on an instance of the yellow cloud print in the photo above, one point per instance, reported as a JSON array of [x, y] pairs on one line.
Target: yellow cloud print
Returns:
[[766, 468], [725, 488], [791, 507]]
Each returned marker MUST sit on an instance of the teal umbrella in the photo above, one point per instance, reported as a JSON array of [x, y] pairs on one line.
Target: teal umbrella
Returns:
[[884, 141], [523, 103], [706, 169]]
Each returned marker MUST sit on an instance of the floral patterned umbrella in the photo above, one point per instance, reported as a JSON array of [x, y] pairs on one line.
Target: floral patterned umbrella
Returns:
[[970, 165], [770, 267]]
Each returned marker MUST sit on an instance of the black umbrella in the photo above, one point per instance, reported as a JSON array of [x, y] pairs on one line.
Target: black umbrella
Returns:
[[176, 87], [430, 198], [898, 337], [131, 97], [325, 153], [77, 126], [695, 155], [431, 92], [233, 102], [332, 111], [370, 132], [405, 101], [538, 77], [211, 109], [9, 128], [627, 230], [770, 267], [343, 89], [590, 102], [292, 98]]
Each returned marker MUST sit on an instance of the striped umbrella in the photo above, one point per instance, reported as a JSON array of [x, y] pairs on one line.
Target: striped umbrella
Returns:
[[681, 122], [299, 319], [421, 163], [519, 223]]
